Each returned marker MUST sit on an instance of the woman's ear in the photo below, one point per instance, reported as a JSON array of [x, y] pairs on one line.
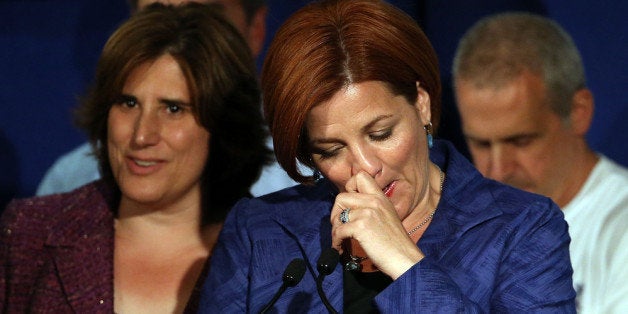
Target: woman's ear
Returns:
[[423, 104]]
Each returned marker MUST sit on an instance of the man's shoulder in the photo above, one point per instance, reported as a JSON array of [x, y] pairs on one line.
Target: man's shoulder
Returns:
[[79, 157], [608, 183], [603, 199], [71, 170], [273, 178], [612, 170]]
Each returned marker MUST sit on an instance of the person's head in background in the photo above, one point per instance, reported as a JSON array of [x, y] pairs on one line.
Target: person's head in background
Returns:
[[249, 17], [524, 106], [220, 75]]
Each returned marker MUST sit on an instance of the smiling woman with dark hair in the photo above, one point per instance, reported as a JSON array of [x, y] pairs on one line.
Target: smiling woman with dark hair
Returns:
[[351, 89], [175, 123]]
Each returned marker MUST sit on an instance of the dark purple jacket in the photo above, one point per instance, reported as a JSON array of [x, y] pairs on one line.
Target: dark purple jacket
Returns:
[[56, 253]]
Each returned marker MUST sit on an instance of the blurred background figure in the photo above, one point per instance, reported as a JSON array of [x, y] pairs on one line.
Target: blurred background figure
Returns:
[[525, 110], [248, 16], [175, 108], [79, 166]]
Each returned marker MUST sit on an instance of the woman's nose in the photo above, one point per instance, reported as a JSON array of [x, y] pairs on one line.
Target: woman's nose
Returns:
[[146, 129], [365, 159]]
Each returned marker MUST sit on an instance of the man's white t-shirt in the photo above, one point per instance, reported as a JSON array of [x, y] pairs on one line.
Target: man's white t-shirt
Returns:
[[598, 226]]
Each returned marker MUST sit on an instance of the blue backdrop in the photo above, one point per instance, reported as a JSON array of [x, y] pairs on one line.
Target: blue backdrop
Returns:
[[50, 47]]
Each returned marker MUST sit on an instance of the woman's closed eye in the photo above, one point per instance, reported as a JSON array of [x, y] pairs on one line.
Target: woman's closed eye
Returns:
[[380, 135], [329, 152], [325, 153]]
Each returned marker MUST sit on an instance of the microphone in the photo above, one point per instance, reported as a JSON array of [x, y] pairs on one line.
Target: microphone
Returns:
[[326, 264], [291, 277]]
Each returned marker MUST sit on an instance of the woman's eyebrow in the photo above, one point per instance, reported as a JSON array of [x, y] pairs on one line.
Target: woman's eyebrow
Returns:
[[375, 121]]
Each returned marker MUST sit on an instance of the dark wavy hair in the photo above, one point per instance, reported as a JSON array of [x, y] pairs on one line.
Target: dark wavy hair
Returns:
[[225, 97], [330, 44]]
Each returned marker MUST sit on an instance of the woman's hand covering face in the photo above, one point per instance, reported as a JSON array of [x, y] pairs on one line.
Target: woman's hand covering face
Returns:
[[375, 225], [371, 145]]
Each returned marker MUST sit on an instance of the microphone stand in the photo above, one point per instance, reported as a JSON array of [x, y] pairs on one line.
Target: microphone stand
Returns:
[[291, 277], [326, 264]]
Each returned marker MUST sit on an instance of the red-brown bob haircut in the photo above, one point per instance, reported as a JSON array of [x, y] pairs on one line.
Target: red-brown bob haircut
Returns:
[[328, 45]]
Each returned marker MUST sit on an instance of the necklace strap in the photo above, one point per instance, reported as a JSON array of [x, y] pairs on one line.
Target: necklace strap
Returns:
[[431, 215]]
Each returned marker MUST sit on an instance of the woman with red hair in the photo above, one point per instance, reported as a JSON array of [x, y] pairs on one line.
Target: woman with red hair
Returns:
[[351, 89]]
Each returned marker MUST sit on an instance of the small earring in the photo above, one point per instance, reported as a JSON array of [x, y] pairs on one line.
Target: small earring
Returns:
[[316, 175], [428, 131]]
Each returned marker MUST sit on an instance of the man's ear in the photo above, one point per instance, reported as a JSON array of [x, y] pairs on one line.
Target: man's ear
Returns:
[[423, 104], [257, 31], [582, 107]]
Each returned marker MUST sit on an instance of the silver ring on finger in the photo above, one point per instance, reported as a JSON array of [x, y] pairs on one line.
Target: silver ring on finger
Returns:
[[344, 215]]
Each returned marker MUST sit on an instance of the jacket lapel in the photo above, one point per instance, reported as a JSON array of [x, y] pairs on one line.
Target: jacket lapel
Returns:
[[462, 205], [81, 246]]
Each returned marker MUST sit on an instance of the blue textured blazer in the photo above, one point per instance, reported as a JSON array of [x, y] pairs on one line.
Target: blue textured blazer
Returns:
[[489, 248]]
